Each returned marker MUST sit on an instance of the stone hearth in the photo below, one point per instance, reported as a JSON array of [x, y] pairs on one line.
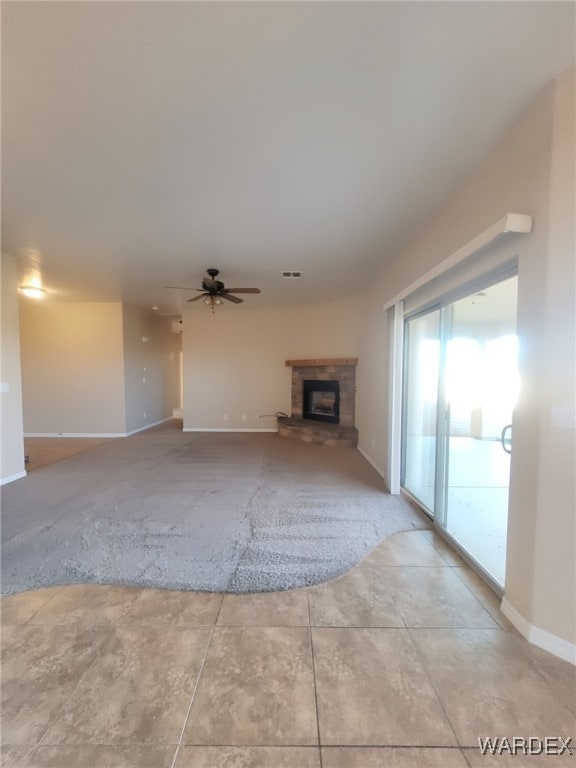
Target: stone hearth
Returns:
[[309, 430]]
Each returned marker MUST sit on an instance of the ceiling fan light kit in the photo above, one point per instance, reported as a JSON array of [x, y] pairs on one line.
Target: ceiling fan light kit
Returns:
[[211, 301]]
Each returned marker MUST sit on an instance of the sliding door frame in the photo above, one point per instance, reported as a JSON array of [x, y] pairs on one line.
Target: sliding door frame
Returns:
[[399, 360]]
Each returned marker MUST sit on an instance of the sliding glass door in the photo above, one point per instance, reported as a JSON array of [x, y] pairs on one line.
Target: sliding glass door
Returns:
[[421, 371], [481, 384], [460, 387]]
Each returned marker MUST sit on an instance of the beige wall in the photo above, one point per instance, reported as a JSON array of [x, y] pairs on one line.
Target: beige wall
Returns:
[[234, 359], [530, 171], [150, 369], [84, 366], [12, 443], [176, 368], [72, 367], [514, 178], [555, 561]]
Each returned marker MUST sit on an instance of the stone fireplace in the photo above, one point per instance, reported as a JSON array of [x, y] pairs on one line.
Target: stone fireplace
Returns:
[[323, 397]]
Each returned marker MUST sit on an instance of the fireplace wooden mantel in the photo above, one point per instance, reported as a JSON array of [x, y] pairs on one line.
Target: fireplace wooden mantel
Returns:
[[325, 361]]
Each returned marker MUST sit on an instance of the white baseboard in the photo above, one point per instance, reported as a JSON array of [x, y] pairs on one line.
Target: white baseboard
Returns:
[[540, 637], [371, 461], [74, 434], [97, 434], [226, 429], [147, 426], [11, 478]]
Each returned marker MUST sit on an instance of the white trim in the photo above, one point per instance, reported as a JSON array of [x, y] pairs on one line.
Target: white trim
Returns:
[[97, 434], [511, 223], [74, 434], [148, 426], [395, 433], [522, 625], [225, 429], [540, 637], [371, 462], [553, 644], [11, 478]]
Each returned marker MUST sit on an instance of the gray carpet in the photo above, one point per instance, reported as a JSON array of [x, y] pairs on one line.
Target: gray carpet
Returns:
[[197, 511]]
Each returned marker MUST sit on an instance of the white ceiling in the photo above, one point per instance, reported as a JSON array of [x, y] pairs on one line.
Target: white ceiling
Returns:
[[145, 141]]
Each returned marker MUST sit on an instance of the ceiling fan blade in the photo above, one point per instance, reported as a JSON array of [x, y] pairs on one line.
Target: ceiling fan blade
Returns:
[[197, 298], [182, 288], [228, 297], [243, 290]]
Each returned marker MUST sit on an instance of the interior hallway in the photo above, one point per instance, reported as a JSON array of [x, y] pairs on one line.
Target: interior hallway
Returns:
[[404, 661]]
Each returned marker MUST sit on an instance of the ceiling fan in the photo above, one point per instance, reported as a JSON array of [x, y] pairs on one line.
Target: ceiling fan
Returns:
[[213, 291]]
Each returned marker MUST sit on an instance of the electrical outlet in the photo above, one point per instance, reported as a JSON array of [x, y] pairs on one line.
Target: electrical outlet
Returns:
[[373, 442], [243, 417], [225, 417], [144, 415]]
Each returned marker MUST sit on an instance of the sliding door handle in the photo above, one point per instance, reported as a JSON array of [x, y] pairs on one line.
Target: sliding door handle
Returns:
[[506, 438]]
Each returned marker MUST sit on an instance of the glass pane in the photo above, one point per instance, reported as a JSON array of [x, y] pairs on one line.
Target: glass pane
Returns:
[[420, 405], [323, 402], [481, 383]]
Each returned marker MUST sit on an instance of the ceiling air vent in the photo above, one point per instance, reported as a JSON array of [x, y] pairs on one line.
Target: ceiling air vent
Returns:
[[292, 273]]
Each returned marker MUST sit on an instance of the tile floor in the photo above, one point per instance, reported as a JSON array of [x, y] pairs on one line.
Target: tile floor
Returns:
[[404, 661]]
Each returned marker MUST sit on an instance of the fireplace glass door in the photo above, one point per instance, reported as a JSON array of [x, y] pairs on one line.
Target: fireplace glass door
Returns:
[[322, 401]]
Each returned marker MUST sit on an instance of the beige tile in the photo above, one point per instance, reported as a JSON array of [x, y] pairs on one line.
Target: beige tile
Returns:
[[256, 689], [89, 604], [434, 597], [248, 757], [39, 673], [478, 760], [560, 675], [391, 757], [265, 609], [7, 631], [489, 686], [162, 606], [360, 598], [482, 592], [18, 609], [406, 548], [446, 552], [102, 757], [137, 691], [14, 757], [372, 690]]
